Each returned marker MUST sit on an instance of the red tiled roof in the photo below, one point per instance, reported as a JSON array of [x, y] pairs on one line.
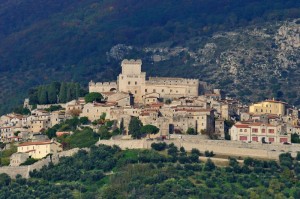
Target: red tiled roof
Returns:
[[241, 126], [35, 143]]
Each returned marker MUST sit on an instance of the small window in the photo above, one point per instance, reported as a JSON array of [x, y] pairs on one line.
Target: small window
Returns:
[[129, 83], [135, 92], [135, 83], [146, 91]]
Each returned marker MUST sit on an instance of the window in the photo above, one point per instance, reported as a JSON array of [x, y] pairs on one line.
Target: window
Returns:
[[243, 138], [271, 131], [154, 90], [162, 90], [245, 130], [263, 130], [135, 92], [135, 83], [129, 83], [241, 130], [145, 90], [254, 130]]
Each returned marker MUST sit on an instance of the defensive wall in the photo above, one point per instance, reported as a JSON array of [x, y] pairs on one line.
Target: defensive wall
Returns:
[[255, 150], [24, 171], [172, 81], [102, 86]]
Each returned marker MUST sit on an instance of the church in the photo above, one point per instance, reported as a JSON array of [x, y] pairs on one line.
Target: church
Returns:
[[133, 80]]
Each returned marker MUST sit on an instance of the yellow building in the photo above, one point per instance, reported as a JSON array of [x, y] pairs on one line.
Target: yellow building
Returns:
[[268, 107], [38, 150]]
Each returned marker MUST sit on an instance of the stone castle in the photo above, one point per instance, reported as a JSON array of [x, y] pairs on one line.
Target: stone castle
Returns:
[[133, 80]]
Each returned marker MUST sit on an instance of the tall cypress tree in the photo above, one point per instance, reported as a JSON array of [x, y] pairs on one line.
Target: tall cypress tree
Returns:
[[52, 93], [77, 91], [63, 93], [43, 97]]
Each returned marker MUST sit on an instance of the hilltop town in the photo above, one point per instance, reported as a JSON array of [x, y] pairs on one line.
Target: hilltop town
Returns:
[[175, 109]]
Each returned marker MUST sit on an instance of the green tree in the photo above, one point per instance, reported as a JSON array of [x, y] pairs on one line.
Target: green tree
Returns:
[[104, 133], [149, 129], [295, 138], [52, 93], [93, 96], [77, 90], [134, 128], [4, 179], [63, 93], [209, 165], [191, 131], [84, 120], [43, 95]]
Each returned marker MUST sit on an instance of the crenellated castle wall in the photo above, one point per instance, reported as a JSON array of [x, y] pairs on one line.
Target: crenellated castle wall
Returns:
[[133, 80], [100, 87]]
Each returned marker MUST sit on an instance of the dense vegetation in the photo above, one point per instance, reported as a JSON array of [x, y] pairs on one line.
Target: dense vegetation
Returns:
[[55, 92], [69, 40], [6, 153], [108, 172]]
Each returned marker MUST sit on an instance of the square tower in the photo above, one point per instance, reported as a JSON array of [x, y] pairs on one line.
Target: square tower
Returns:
[[132, 79]]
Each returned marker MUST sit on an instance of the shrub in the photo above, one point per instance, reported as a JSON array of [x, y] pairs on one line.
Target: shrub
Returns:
[[159, 146], [29, 161]]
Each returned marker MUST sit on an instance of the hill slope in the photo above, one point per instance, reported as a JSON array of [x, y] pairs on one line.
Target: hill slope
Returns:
[[78, 41]]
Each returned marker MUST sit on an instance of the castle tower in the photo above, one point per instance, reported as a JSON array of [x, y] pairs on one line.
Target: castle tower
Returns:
[[132, 79]]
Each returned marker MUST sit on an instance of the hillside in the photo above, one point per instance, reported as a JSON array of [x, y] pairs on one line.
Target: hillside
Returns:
[[221, 41], [108, 172]]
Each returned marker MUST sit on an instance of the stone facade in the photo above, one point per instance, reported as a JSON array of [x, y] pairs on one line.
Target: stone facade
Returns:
[[18, 158], [40, 150], [133, 80]]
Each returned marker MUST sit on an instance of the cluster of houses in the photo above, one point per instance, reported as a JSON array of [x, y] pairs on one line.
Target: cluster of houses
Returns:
[[269, 121], [174, 105]]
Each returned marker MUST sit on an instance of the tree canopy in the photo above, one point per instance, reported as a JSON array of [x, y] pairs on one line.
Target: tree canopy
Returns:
[[134, 128], [93, 97], [149, 129]]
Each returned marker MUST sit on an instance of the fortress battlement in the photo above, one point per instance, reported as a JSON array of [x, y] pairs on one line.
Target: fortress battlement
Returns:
[[172, 81], [133, 80], [132, 61], [102, 83]]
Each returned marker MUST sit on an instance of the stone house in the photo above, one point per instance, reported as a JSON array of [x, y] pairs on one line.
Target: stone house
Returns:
[[18, 158], [41, 149], [93, 111]]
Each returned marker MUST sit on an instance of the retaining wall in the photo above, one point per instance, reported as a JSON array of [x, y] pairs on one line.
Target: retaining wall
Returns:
[[12, 171], [255, 150]]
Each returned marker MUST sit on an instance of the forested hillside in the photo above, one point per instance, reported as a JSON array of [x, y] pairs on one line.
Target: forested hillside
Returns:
[[41, 42]]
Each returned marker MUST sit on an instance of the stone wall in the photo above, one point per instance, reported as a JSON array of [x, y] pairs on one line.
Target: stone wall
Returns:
[[102, 86], [12, 171], [266, 151]]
